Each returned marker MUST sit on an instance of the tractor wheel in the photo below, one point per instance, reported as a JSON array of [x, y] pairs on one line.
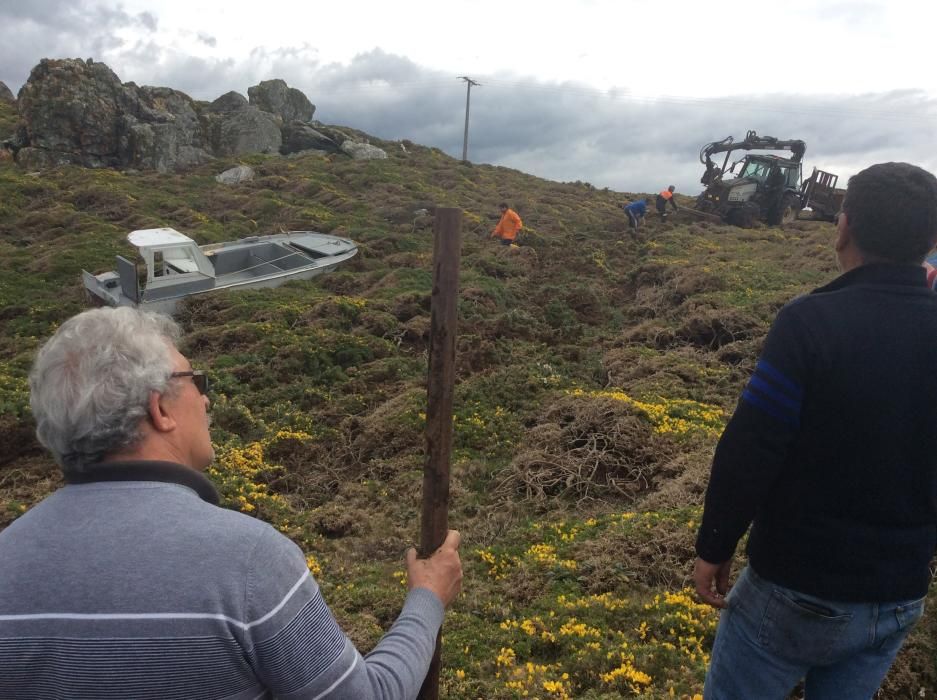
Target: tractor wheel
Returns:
[[743, 217], [704, 205]]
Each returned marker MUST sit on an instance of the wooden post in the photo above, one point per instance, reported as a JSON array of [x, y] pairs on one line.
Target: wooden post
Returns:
[[447, 232]]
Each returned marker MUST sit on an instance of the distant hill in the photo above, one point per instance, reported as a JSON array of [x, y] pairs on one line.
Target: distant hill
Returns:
[[595, 372]]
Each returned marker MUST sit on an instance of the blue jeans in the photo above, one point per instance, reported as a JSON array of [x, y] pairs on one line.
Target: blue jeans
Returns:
[[770, 637]]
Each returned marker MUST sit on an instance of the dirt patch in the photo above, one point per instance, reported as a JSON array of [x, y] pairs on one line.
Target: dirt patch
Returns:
[[713, 328]]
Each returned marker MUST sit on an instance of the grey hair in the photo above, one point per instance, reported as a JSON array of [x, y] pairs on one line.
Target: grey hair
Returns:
[[92, 380]]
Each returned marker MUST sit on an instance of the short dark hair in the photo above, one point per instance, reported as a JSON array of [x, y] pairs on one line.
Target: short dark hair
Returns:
[[891, 209], [503, 205]]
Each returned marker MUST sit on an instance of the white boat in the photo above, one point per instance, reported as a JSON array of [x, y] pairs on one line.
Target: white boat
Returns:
[[176, 267]]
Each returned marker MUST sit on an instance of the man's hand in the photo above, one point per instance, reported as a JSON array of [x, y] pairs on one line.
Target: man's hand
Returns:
[[712, 581], [441, 573]]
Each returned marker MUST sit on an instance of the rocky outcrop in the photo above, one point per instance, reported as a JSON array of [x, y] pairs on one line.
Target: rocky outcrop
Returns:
[[79, 112], [299, 136], [6, 95], [276, 97], [363, 151]]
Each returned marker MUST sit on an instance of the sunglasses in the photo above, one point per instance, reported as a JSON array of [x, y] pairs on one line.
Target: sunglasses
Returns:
[[199, 378]]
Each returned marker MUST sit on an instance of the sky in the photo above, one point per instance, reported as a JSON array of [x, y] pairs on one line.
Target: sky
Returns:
[[618, 93]]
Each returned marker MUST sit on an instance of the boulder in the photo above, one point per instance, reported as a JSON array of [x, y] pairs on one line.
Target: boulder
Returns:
[[232, 176], [74, 110], [79, 112], [248, 130], [6, 95], [299, 136], [229, 102], [276, 97], [171, 138], [363, 151]]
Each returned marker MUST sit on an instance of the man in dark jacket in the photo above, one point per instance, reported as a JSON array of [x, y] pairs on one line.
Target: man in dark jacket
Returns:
[[832, 456]]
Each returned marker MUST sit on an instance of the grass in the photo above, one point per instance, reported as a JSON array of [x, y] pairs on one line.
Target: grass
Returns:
[[594, 372]]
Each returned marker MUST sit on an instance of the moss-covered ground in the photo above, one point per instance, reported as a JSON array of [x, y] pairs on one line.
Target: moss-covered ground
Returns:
[[595, 372]]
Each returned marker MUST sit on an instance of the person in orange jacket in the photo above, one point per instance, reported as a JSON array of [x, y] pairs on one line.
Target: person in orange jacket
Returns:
[[662, 199], [508, 226]]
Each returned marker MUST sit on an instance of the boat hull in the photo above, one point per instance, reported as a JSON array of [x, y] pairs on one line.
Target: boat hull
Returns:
[[253, 263]]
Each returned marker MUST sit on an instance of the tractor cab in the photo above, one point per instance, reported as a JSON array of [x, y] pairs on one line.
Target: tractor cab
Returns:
[[758, 168]]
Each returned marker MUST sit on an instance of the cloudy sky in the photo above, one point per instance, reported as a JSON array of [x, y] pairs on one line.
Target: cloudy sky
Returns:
[[619, 93]]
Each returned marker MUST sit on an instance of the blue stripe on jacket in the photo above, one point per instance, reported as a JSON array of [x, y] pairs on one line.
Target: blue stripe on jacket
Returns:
[[778, 377], [772, 409], [774, 393]]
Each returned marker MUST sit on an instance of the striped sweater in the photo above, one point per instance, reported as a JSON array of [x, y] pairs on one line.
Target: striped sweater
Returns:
[[136, 587]]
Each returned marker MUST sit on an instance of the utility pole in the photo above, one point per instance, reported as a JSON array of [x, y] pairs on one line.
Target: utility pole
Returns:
[[468, 94]]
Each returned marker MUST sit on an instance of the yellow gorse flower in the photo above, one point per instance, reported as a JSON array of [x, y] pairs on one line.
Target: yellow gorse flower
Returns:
[[669, 416]]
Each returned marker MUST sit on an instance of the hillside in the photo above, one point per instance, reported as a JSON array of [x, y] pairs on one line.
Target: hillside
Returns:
[[595, 372]]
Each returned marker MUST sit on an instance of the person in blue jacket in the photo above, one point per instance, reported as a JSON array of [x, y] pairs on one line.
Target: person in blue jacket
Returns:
[[636, 211]]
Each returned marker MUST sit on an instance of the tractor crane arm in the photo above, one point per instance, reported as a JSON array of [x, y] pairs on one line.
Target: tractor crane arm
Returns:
[[752, 141]]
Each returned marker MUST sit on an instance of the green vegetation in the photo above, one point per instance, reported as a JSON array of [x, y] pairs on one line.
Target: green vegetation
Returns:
[[595, 372]]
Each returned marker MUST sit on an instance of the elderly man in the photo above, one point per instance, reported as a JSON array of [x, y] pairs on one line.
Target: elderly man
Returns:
[[131, 582], [832, 455]]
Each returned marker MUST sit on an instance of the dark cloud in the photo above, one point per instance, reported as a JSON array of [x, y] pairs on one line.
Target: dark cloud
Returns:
[[563, 131], [58, 29], [148, 21], [571, 132], [207, 39]]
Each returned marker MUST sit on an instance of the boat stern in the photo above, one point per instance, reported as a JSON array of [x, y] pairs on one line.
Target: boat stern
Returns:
[[103, 289]]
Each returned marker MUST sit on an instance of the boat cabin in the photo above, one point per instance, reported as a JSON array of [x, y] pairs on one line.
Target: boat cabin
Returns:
[[174, 264]]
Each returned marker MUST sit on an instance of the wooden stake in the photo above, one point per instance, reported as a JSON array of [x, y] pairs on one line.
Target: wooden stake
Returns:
[[447, 232]]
